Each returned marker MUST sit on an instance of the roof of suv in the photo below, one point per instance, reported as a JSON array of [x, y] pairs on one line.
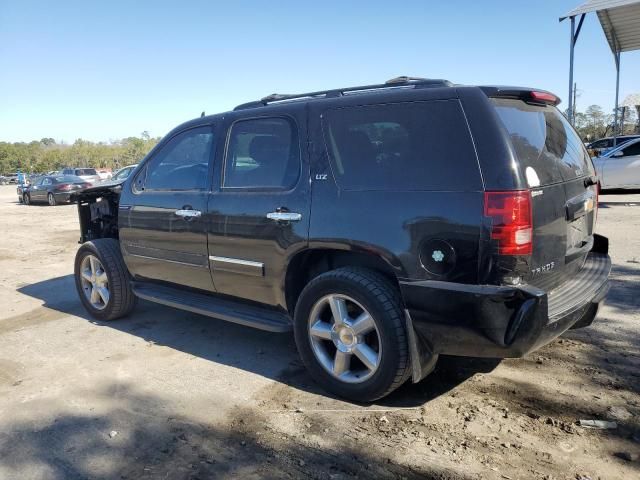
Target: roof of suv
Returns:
[[398, 82]]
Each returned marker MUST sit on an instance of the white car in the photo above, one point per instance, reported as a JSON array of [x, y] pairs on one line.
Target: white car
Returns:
[[104, 174], [620, 166], [87, 174]]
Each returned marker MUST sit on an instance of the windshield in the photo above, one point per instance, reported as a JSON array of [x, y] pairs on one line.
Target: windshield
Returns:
[[544, 142]]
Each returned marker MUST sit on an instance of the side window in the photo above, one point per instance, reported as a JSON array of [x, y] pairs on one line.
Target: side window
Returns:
[[631, 150], [181, 164], [262, 153], [46, 181], [401, 146]]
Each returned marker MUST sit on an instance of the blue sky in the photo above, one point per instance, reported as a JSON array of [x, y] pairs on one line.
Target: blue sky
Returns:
[[106, 70]]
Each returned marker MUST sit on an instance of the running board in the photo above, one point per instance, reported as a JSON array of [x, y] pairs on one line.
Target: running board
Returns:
[[214, 306]]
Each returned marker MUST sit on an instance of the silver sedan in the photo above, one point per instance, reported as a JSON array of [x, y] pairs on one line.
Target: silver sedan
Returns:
[[620, 166]]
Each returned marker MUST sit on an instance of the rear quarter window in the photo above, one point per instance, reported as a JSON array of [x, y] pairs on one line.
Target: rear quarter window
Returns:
[[402, 146], [544, 141]]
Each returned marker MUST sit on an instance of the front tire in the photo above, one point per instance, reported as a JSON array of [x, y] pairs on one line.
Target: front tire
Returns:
[[51, 199], [351, 333], [102, 280], [26, 199]]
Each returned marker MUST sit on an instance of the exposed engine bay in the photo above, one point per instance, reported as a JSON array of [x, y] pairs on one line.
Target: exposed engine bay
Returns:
[[98, 211]]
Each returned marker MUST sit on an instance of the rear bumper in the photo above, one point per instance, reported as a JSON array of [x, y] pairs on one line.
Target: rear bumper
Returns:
[[502, 322], [62, 197]]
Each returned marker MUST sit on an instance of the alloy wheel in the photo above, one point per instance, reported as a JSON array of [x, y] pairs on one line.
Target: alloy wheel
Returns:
[[344, 338], [95, 283]]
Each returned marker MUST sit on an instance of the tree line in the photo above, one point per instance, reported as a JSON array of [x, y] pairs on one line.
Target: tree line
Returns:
[[594, 123], [46, 154]]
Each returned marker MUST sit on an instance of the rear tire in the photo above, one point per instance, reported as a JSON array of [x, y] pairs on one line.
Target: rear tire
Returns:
[[51, 199], [359, 367], [102, 279]]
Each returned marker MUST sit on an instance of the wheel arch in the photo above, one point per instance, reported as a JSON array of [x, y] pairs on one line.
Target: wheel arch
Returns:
[[307, 264]]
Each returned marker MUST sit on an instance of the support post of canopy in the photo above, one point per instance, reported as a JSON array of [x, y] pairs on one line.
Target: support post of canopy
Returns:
[[615, 111], [572, 43]]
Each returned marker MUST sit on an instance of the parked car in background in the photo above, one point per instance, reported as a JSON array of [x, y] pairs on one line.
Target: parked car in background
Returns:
[[350, 217], [89, 175], [620, 167], [123, 173], [603, 145], [104, 173], [4, 180], [12, 178], [53, 189]]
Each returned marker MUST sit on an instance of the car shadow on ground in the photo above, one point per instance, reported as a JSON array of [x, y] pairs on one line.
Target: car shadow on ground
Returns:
[[272, 355], [142, 437]]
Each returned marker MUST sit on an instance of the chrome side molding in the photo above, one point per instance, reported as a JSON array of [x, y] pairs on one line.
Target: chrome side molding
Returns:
[[237, 265]]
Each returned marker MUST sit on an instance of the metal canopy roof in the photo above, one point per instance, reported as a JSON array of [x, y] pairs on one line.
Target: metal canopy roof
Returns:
[[620, 20]]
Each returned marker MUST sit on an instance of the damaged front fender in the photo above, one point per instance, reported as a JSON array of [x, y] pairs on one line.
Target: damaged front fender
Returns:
[[98, 211]]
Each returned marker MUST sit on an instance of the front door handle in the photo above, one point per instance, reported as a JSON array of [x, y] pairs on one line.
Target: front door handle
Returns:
[[188, 213], [284, 216]]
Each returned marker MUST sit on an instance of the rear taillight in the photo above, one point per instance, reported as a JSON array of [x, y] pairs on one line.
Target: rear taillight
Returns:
[[65, 187], [511, 221]]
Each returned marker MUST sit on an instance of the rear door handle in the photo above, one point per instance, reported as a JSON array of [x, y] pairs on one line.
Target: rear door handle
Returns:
[[188, 213], [284, 216]]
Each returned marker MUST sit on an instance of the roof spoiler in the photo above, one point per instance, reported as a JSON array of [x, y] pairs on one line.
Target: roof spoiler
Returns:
[[528, 95]]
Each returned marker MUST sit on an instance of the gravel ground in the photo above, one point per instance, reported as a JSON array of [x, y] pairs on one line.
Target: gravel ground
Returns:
[[168, 394]]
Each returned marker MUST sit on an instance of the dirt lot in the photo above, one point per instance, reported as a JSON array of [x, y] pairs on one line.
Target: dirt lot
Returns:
[[167, 394]]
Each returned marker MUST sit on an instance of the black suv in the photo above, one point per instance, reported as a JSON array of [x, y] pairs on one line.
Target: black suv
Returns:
[[383, 224]]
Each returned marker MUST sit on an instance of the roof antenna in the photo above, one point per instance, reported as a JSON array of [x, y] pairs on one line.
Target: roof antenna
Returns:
[[202, 114]]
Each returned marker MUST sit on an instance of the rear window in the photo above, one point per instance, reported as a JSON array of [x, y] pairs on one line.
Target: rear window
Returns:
[[548, 148], [402, 146], [86, 171], [68, 179]]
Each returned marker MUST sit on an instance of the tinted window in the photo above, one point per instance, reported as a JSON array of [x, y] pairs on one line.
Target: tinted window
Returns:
[[543, 140], [403, 146], [262, 153], [85, 171], [631, 150], [182, 163]]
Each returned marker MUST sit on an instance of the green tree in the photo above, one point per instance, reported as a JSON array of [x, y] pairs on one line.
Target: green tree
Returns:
[[46, 155]]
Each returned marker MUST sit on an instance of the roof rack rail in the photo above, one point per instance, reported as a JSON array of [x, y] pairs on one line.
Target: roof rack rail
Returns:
[[402, 81]]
